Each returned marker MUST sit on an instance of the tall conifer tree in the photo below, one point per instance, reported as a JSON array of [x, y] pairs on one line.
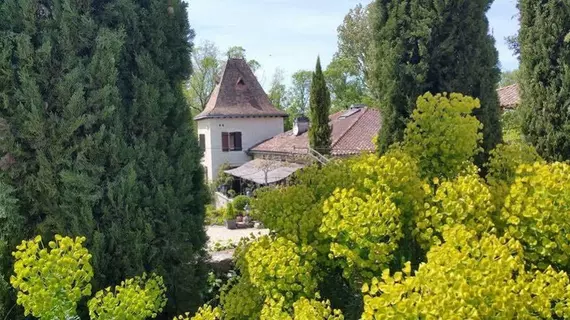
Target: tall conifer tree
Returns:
[[151, 216], [98, 137], [320, 105], [435, 46], [544, 41]]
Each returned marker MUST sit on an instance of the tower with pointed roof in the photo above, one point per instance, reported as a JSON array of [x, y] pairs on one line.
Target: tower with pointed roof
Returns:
[[238, 116]]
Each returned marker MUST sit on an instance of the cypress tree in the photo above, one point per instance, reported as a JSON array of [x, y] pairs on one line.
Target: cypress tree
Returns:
[[97, 137], [545, 76], [320, 105], [152, 212], [436, 46], [57, 91]]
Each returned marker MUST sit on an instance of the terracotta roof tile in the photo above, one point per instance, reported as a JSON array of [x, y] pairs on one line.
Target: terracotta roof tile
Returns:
[[509, 96], [350, 135], [238, 94]]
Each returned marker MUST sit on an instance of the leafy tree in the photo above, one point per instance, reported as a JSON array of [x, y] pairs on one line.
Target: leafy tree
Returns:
[[356, 44], [509, 78], [299, 93], [278, 96], [434, 46], [206, 68], [512, 122], [345, 87], [237, 52], [545, 79], [320, 105]]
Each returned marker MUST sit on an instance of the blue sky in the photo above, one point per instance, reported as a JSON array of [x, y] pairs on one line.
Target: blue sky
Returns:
[[289, 34]]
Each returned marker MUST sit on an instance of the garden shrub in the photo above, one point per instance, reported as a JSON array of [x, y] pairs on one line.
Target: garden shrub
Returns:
[[443, 135], [240, 202], [50, 281], [137, 298], [469, 277], [302, 309], [364, 230], [502, 167], [279, 267], [536, 213], [465, 200], [242, 301]]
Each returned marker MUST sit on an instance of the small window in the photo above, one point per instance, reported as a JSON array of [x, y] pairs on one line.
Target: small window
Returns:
[[231, 141], [202, 142]]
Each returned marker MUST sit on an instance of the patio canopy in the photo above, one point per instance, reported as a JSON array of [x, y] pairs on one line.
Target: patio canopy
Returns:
[[264, 172]]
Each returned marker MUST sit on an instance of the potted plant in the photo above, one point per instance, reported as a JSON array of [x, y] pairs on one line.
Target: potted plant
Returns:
[[231, 217]]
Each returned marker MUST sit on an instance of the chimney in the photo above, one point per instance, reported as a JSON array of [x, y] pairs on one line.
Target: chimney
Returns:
[[300, 125]]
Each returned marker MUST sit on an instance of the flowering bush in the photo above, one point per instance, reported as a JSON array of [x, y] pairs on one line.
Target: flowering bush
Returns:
[[302, 309], [364, 230], [536, 213], [280, 268], [465, 200], [443, 135], [138, 298], [51, 280], [469, 277]]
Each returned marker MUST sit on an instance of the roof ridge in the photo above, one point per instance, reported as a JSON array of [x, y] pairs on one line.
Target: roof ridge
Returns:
[[349, 128]]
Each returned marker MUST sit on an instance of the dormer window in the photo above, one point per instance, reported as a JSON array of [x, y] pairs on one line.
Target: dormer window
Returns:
[[240, 82]]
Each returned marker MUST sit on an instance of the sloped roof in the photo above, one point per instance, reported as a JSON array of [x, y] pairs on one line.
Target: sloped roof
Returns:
[[263, 171], [351, 135], [238, 94], [509, 96]]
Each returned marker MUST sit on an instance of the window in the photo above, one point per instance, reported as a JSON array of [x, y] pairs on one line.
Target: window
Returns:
[[202, 142], [231, 141]]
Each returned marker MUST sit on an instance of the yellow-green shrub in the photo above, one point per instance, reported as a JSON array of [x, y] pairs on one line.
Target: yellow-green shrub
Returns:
[[279, 267], [205, 312], [502, 167], [241, 301], [443, 135], [364, 230], [469, 277], [536, 213], [465, 200], [51, 280], [303, 309], [138, 298], [295, 212]]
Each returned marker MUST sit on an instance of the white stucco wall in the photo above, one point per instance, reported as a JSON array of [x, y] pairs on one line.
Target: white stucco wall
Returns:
[[253, 131]]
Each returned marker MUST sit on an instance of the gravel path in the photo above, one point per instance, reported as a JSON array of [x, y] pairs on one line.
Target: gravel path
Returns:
[[224, 235]]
